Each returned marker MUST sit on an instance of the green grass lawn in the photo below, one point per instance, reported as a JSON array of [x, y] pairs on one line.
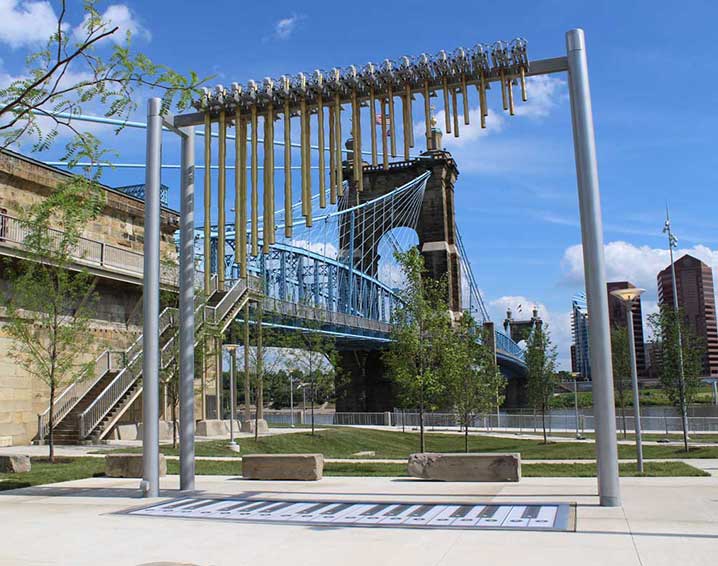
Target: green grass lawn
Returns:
[[704, 438], [651, 469], [342, 442], [42, 472], [68, 469]]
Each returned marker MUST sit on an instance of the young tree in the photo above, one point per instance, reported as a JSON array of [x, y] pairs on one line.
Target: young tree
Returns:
[[665, 326], [50, 302], [474, 382], [313, 354], [79, 66], [541, 361], [621, 361], [421, 332]]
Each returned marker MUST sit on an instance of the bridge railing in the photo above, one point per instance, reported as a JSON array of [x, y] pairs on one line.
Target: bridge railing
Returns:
[[311, 313], [93, 253], [508, 346]]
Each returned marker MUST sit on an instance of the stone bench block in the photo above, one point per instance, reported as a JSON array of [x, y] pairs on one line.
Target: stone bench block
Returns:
[[304, 467], [14, 464], [466, 467], [216, 427], [129, 465], [248, 426]]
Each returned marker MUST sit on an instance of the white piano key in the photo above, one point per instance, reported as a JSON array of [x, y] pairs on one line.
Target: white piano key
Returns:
[[423, 514], [471, 518], [496, 518], [352, 514], [286, 513], [445, 517], [545, 518], [515, 517], [330, 513], [376, 516], [398, 515]]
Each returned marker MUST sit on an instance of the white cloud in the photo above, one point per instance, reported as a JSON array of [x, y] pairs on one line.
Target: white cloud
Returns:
[[637, 264], [25, 24], [559, 323], [285, 27], [116, 15], [544, 93]]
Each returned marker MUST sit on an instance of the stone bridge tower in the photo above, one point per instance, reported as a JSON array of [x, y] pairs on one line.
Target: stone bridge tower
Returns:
[[436, 227], [366, 388]]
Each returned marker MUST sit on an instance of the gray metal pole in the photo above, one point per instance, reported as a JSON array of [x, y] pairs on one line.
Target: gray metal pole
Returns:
[[151, 305], [232, 392], [575, 405], [634, 384], [594, 269], [715, 392], [291, 401], [186, 304]]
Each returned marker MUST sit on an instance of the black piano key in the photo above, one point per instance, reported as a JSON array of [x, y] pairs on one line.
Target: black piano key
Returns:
[[462, 511], [374, 510], [421, 511], [488, 511], [531, 512]]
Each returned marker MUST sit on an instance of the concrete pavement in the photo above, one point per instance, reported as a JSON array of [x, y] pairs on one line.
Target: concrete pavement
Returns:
[[663, 521]]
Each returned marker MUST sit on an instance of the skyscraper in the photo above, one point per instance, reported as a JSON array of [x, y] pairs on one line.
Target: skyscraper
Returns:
[[694, 283], [580, 362], [618, 319]]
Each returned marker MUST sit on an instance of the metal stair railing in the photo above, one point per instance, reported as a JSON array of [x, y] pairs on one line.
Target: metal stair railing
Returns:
[[72, 394], [113, 393], [116, 389]]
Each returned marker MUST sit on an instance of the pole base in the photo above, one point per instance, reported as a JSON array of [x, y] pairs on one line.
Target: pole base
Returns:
[[609, 501], [234, 447]]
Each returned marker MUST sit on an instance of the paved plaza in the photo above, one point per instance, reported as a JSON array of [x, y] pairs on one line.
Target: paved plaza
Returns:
[[663, 521]]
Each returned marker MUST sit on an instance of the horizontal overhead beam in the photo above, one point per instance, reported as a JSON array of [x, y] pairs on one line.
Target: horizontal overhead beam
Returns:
[[535, 68]]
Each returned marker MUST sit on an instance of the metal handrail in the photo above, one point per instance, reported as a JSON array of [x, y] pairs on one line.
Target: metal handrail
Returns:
[[72, 394], [87, 251], [113, 392]]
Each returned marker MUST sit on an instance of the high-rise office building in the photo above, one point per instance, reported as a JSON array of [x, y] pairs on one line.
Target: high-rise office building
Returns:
[[580, 362], [618, 318], [694, 284]]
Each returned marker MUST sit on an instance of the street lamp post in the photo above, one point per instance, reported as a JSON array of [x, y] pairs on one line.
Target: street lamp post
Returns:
[[291, 401], [628, 296], [233, 395]]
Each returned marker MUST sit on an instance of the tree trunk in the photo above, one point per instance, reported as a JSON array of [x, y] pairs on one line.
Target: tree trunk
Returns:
[[422, 440], [51, 422], [312, 407], [623, 416], [466, 434], [543, 424], [174, 424]]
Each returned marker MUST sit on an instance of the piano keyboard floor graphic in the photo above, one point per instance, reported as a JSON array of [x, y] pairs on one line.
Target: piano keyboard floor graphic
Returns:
[[510, 516]]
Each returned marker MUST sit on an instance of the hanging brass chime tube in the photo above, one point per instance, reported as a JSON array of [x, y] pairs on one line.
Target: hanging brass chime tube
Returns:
[[221, 198], [384, 132], [320, 142], [504, 97], [481, 86], [308, 167], [465, 97], [447, 106], [372, 119], [524, 95], [332, 157], [272, 206], [427, 114], [302, 151], [510, 88], [241, 173], [392, 128], [355, 139], [338, 138], [255, 187], [455, 112], [287, 171], [409, 114], [357, 152], [267, 181], [207, 202], [405, 126]]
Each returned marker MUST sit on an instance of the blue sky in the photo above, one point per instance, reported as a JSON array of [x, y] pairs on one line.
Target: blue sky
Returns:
[[651, 66]]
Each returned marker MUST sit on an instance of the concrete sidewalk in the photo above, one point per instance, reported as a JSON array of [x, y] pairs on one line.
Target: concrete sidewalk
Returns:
[[663, 521]]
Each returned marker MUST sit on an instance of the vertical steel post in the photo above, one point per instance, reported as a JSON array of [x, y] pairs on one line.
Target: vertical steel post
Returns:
[[594, 269], [634, 384], [291, 401], [186, 304], [232, 392], [151, 304]]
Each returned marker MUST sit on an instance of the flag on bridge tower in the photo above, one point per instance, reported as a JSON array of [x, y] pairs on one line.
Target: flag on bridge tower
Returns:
[[384, 121]]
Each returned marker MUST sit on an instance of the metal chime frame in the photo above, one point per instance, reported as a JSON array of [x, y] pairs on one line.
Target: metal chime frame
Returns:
[[302, 96]]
